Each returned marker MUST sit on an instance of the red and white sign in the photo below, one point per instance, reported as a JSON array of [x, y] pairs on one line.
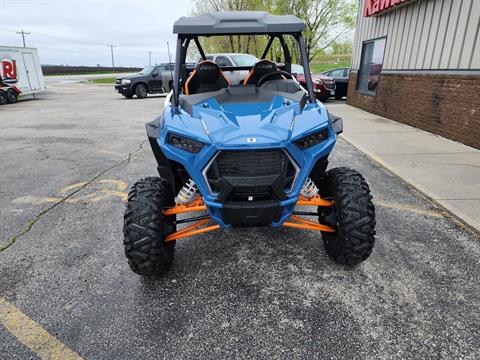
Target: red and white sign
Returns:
[[8, 69], [375, 7]]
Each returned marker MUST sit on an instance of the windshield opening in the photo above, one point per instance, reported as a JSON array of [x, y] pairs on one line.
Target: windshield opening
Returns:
[[147, 70], [244, 59], [297, 69]]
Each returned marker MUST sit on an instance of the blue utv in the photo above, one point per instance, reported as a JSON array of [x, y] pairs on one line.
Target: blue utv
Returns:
[[244, 155]]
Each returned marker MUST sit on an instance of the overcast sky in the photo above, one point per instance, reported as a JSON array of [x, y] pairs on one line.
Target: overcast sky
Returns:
[[77, 32]]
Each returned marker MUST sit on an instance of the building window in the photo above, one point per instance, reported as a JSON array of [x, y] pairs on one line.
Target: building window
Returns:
[[371, 65]]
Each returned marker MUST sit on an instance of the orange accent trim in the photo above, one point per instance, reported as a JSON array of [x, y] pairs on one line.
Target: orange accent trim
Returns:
[[188, 80], [314, 201], [251, 71], [245, 82], [195, 71], [190, 230], [196, 205], [309, 225]]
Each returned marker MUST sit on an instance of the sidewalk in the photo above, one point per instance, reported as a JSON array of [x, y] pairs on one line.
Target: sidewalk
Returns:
[[446, 171]]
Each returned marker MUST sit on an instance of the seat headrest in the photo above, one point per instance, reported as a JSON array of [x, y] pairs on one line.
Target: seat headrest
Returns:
[[207, 76], [260, 68], [207, 65]]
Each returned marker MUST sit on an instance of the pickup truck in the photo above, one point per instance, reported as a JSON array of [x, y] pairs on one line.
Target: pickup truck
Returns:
[[151, 80], [233, 59]]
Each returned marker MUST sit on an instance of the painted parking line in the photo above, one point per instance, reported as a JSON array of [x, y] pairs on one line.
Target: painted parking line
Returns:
[[32, 335], [405, 207], [107, 188], [112, 188]]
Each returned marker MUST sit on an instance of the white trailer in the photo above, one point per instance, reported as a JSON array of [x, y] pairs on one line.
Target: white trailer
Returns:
[[20, 67]]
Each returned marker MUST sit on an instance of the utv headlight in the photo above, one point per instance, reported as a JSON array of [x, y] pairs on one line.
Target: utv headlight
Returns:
[[312, 140], [126, 81], [184, 143]]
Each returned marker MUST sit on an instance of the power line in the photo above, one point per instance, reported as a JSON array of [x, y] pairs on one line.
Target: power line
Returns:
[[23, 33], [88, 43]]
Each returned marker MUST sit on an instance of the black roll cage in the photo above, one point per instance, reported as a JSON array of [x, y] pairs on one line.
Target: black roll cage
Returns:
[[183, 42]]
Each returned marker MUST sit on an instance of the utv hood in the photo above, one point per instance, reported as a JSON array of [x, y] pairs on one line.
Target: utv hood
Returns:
[[258, 124], [267, 126]]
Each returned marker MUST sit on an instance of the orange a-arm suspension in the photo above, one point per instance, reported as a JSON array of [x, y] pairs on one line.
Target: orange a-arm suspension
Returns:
[[198, 205], [307, 224], [315, 201], [192, 230]]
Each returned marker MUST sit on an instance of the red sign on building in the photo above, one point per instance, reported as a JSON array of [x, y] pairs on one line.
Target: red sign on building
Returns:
[[375, 7]]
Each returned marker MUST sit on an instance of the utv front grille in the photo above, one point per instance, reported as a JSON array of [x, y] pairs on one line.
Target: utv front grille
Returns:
[[242, 175]]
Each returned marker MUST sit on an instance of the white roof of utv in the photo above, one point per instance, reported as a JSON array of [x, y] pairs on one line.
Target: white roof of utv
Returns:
[[238, 22]]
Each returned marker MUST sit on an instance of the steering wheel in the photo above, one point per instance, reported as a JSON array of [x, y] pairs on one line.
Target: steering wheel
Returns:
[[265, 77]]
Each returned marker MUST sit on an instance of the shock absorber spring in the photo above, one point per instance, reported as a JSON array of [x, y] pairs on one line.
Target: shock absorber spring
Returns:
[[309, 189], [187, 194]]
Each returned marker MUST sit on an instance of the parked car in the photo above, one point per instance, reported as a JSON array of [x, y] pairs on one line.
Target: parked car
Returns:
[[340, 76], [9, 92], [233, 60], [323, 86], [151, 80]]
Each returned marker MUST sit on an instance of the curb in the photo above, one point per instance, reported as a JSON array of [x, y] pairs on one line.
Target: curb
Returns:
[[455, 214]]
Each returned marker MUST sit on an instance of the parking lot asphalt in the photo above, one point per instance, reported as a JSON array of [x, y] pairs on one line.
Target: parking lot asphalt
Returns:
[[67, 160]]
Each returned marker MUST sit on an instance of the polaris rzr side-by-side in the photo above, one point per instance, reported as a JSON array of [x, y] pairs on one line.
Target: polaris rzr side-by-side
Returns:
[[247, 155]]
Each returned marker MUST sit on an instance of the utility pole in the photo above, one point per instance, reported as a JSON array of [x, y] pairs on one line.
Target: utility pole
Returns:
[[113, 61], [23, 33], [149, 58]]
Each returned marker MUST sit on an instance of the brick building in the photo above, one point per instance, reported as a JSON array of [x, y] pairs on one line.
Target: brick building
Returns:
[[418, 62]]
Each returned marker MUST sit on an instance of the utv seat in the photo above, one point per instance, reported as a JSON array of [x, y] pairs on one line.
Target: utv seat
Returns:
[[260, 69], [206, 77]]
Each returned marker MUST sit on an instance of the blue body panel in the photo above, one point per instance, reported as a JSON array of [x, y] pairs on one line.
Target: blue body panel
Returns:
[[228, 126]]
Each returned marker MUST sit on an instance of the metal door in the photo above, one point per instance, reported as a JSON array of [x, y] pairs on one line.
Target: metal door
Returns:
[[155, 83], [31, 71]]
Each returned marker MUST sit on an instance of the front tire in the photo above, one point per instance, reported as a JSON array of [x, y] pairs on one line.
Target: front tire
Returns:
[[128, 95], [12, 96], [141, 91], [145, 227], [353, 215]]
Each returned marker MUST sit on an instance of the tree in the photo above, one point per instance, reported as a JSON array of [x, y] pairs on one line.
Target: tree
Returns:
[[341, 48], [327, 21], [239, 44]]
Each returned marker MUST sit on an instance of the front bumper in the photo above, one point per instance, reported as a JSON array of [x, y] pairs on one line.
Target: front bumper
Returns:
[[249, 213], [123, 89], [258, 213]]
